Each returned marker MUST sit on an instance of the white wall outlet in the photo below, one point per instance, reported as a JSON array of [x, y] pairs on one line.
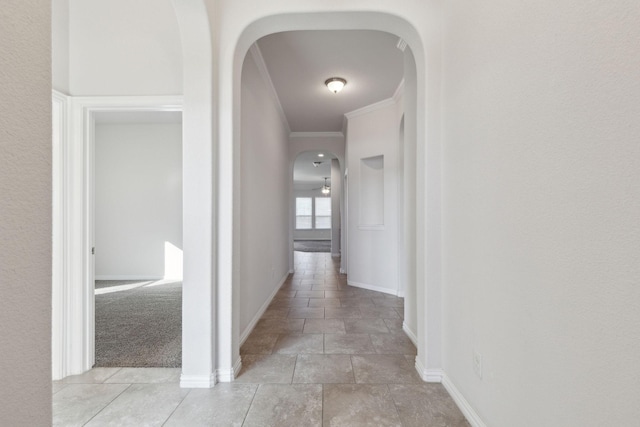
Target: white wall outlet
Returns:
[[477, 363]]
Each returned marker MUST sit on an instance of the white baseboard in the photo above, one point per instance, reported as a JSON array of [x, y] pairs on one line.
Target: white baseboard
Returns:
[[412, 336], [197, 381], [129, 277], [466, 408], [228, 375], [254, 321], [371, 287], [429, 375]]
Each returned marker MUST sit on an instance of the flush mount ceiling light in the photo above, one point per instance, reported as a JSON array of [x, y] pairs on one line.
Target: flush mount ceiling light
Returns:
[[320, 155], [335, 84], [325, 188]]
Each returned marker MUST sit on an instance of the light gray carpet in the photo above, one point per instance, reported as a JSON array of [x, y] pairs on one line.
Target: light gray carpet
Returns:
[[139, 327], [312, 245]]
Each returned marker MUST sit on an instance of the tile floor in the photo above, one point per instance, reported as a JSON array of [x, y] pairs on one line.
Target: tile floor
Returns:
[[323, 354]]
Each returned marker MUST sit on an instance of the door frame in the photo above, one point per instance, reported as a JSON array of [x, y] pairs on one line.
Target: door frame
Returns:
[[73, 332]]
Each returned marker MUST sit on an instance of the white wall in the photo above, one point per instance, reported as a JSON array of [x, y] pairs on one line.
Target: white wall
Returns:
[[25, 212], [336, 215], [138, 201], [541, 191], [310, 234], [60, 45], [264, 198], [122, 47], [373, 248]]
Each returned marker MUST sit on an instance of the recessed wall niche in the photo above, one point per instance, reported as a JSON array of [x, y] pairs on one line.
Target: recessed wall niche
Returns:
[[372, 191]]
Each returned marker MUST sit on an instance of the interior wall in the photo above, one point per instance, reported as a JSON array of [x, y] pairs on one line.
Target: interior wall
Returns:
[[310, 234], [541, 191], [120, 47], [25, 209], [60, 45], [336, 215], [138, 201], [373, 248], [264, 196]]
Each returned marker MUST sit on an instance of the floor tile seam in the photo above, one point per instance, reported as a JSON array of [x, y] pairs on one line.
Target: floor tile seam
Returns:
[[395, 404], [59, 389], [253, 398], [322, 401], [108, 404], [110, 376], [177, 406], [295, 366], [353, 369]]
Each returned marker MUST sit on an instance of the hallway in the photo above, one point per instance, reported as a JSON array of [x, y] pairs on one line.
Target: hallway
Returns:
[[324, 353]]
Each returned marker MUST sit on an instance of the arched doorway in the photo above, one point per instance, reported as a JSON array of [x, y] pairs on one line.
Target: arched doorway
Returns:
[[220, 343]]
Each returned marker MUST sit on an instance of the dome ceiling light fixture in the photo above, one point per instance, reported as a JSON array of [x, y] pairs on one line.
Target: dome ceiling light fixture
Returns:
[[335, 84]]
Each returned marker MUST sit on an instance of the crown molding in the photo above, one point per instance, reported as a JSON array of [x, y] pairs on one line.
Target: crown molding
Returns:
[[256, 53], [377, 106], [370, 108], [316, 135]]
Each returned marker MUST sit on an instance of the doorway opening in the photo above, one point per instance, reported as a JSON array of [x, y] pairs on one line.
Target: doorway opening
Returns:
[[316, 202], [138, 239]]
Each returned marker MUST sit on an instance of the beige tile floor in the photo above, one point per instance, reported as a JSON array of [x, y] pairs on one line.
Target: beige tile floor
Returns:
[[323, 354]]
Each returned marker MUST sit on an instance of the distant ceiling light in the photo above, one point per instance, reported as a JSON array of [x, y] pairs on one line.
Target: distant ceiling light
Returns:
[[316, 164], [335, 84], [320, 155], [325, 188]]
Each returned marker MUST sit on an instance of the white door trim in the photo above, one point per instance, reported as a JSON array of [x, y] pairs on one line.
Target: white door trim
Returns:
[[74, 326]]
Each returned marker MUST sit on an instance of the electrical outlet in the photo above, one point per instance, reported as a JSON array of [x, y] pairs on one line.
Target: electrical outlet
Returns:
[[477, 363]]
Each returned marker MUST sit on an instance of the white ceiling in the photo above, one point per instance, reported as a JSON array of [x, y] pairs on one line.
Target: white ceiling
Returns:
[[306, 176], [299, 62]]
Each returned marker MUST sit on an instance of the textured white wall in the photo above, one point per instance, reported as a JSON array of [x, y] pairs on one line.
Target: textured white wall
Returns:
[[373, 254], [541, 230], [25, 213], [121, 47], [138, 200], [264, 198]]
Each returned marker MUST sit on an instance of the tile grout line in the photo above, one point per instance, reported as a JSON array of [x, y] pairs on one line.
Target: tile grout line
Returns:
[[255, 392], [395, 405], [177, 406], [110, 402]]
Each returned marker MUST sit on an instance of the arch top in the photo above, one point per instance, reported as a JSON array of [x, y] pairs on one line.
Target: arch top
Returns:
[[343, 20]]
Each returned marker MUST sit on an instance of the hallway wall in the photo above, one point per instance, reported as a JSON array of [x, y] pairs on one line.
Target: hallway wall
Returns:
[[264, 198], [25, 213], [373, 239], [541, 194]]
